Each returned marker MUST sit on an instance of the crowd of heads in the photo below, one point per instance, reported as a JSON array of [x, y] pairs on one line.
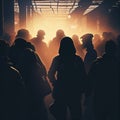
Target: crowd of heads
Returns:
[[31, 56], [81, 42]]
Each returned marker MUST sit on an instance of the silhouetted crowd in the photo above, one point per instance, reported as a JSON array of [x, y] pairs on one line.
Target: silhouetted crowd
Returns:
[[72, 78]]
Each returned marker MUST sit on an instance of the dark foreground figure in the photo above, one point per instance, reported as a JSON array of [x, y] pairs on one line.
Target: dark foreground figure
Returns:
[[67, 75], [103, 84], [11, 88], [34, 76]]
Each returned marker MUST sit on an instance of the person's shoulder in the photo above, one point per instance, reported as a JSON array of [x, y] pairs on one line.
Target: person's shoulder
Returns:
[[56, 57], [78, 57], [56, 60], [98, 60], [44, 44], [93, 51], [34, 38], [53, 41]]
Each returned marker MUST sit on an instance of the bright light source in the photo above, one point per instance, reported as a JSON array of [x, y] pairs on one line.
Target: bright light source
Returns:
[[50, 24], [69, 16]]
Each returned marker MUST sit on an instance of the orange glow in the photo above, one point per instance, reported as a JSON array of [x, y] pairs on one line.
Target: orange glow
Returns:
[[50, 24]]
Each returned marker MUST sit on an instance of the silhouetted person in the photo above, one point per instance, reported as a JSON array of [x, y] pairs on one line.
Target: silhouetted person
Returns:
[[111, 36], [78, 46], [41, 46], [55, 44], [34, 73], [103, 82], [11, 88], [67, 74], [96, 42], [24, 34], [91, 54], [101, 46]]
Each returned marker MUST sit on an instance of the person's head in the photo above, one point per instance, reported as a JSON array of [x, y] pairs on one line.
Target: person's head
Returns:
[[67, 46], [22, 44], [75, 38], [4, 48], [87, 40], [110, 47], [105, 36], [23, 33], [60, 33], [41, 34], [97, 37]]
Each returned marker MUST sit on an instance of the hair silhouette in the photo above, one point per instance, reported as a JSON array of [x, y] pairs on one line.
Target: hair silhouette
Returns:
[[67, 47]]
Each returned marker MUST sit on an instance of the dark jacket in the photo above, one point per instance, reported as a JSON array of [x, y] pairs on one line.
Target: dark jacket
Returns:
[[67, 75]]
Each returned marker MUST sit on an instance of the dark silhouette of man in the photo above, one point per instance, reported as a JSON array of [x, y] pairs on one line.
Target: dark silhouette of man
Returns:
[[41, 47], [33, 72], [11, 88], [103, 82]]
